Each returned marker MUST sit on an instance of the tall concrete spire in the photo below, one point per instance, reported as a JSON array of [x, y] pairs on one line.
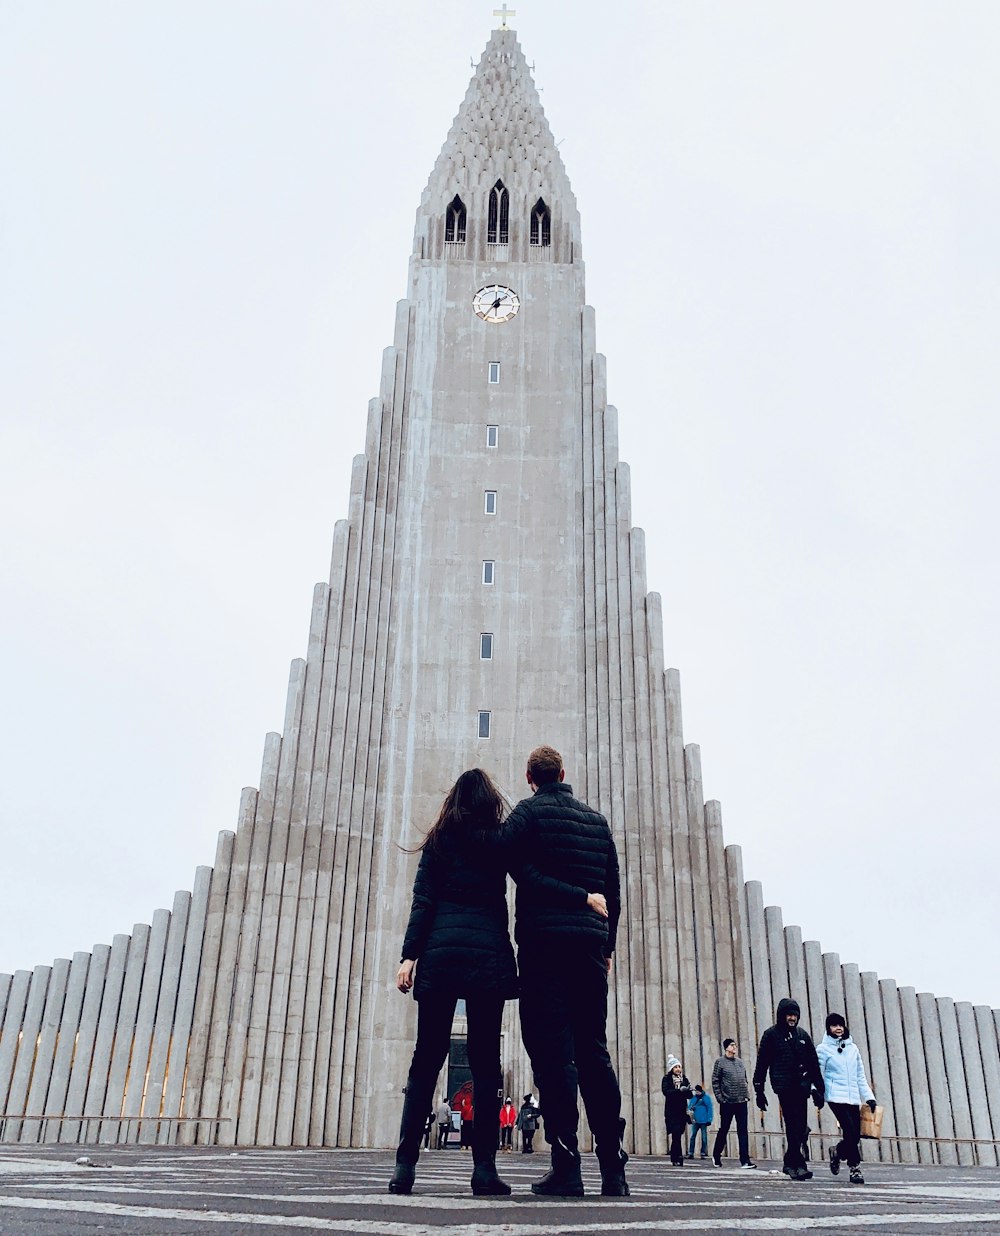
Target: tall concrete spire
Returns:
[[500, 133], [486, 594]]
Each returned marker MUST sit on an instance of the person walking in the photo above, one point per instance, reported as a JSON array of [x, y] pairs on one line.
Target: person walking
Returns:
[[443, 1123], [676, 1092], [729, 1085], [457, 946], [846, 1089], [508, 1118], [786, 1052], [560, 849], [527, 1122], [702, 1113]]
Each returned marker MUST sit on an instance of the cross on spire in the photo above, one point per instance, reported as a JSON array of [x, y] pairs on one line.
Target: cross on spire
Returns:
[[504, 13]]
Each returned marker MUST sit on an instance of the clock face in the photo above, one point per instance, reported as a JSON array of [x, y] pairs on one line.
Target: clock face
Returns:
[[495, 303]]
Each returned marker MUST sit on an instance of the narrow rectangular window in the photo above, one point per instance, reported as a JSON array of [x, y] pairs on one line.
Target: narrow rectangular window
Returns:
[[486, 646], [492, 435], [488, 568], [484, 724], [491, 502], [494, 372]]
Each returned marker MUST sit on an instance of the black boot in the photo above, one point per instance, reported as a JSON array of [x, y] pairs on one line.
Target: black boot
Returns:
[[411, 1133], [486, 1182], [612, 1158], [564, 1178], [485, 1143], [402, 1178]]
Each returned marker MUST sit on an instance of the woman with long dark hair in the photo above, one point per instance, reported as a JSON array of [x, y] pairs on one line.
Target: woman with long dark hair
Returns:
[[457, 947]]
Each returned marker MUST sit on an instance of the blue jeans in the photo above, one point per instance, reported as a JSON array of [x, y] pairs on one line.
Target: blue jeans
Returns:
[[695, 1130]]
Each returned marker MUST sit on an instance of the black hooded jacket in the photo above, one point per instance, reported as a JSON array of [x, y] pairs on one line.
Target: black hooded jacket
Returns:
[[789, 1054]]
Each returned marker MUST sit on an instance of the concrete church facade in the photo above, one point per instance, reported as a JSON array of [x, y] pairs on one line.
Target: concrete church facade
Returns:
[[487, 593]]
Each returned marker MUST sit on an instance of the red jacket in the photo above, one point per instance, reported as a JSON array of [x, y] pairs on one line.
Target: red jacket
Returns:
[[508, 1115], [465, 1107]]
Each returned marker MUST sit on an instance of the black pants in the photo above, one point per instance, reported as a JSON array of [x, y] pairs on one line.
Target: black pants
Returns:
[[434, 1017], [564, 1010], [507, 1135], [849, 1119], [443, 1131], [793, 1109], [526, 1137], [728, 1112], [677, 1145]]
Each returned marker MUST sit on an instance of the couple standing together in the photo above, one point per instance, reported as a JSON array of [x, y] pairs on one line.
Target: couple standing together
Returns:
[[562, 857]]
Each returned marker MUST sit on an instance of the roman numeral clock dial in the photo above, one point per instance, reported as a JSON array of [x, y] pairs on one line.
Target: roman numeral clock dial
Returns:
[[495, 303]]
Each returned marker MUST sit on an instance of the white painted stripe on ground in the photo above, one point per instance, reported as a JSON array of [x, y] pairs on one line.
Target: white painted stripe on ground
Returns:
[[976, 1222]]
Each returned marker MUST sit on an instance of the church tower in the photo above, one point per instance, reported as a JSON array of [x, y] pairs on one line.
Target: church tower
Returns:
[[487, 594]]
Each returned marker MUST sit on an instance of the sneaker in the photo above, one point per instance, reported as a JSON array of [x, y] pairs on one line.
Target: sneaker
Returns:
[[856, 1177], [716, 1161], [834, 1161], [803, 1173], [748, 1167]]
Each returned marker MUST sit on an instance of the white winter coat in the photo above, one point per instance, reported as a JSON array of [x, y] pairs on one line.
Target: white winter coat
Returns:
[[843, 1072]]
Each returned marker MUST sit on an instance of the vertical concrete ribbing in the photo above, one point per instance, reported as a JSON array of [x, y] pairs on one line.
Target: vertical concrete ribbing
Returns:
[[917, 1071], [958, 1089], [744, 1029], [703, 925], [180, 1039], [173, 956], [975, 1080], [145, 1021], [726, 939], [311, 936], [878, 1061], [622, 978], [48, 1036], [588, 556], [364, 1107], [97, 1083], [209, 971], [233, 1127], [25, 1063], [669, 962], [989, 1049], [690, 1037], [83, 1055], [124, 1032], [215, 1005], [899, 1076], [284, 1016], [937, 1075], [280, 859], [649, 842], [68, 1028]]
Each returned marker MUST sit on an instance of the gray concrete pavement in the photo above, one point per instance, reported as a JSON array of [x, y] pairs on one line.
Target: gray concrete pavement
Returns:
[[166, 1191]]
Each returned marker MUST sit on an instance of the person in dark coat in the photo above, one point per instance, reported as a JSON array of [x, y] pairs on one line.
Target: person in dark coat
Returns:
[[676, 1093], [527, 1122], [457, 947], [787, 1052], [560, 848]]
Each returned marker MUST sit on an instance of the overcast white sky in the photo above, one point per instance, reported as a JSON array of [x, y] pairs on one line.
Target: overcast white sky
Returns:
[[790, 227]]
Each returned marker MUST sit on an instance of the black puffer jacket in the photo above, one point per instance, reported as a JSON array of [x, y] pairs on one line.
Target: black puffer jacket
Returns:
[[458, 920], [561, 850], [789, 1054]]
